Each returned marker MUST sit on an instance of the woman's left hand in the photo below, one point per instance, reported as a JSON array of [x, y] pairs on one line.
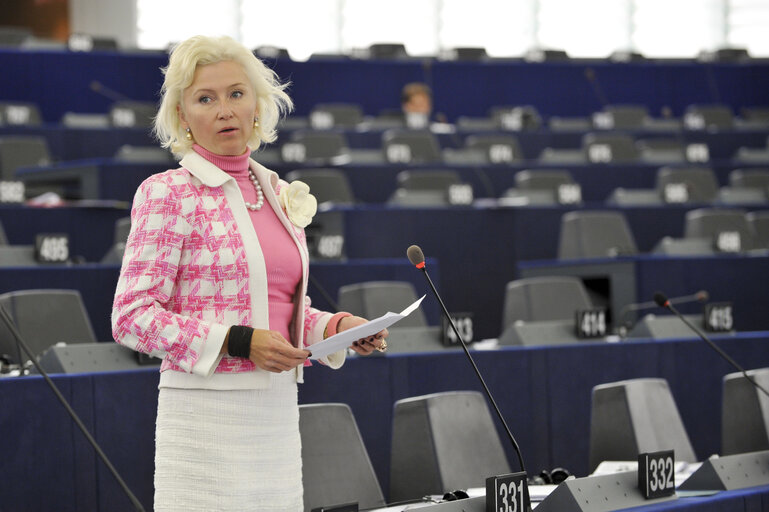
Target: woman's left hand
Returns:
[[364, 346]]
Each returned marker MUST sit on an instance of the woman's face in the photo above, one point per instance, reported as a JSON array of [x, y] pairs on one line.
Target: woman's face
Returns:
[[219, 108]]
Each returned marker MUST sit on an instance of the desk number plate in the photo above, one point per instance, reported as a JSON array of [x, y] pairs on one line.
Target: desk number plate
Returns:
[[463, 323], [656, 474], [719, 317], [590, 323], [52, 247], [508, 493]]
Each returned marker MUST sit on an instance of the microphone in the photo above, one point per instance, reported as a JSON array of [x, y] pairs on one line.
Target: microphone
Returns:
[[662, 301], [20, 343], [700, 296], [417, 258], [103, 90], [458, 143], [597, 90], [322, 290]]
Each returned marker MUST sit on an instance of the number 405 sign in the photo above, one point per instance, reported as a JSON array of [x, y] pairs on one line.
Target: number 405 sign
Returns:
[[508, 493]]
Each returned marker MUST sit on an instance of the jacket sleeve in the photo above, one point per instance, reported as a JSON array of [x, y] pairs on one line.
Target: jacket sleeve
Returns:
[[160, 222], [315, 322]]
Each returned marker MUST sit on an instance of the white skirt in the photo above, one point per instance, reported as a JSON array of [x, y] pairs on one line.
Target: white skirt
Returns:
[[235, 450]]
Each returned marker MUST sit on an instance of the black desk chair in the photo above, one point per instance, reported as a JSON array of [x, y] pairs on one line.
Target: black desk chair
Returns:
[[336, 468], [22, 151], [636, 416], [327, 185], [336, 115], [443, 442], [745, 413], [760, 223], [709, 223], [595, 234], [47, 317], [372, 299], [115, 254]]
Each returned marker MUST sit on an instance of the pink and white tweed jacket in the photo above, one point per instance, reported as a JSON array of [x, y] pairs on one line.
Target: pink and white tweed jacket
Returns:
[[193, 267]]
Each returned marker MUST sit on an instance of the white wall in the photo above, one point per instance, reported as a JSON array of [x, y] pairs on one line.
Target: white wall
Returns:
[[105, 18]]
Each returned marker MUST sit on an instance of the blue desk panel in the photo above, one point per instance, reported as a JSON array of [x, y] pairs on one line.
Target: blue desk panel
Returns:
[[543, 393], [478, 250], [97, 283], [751, 499], [78, 143], [60, 81], [739, 279], [91, 230], [375, 184]]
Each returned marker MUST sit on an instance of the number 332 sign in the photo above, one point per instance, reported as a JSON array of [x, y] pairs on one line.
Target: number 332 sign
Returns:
[[656, 474]]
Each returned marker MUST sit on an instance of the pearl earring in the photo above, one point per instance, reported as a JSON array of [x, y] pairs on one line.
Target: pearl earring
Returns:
[[256, 123], [189, 134]]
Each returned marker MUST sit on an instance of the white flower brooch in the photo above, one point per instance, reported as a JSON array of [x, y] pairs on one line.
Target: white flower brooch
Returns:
[[298, 203]]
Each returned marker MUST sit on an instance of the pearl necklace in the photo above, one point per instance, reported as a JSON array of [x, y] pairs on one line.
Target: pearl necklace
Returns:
[[259, 194]]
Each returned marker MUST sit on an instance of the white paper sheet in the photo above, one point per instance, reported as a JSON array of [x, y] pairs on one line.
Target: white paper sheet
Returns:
[[345, 338]]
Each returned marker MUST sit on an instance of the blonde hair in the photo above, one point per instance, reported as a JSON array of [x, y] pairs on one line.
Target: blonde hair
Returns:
[[272, 101]]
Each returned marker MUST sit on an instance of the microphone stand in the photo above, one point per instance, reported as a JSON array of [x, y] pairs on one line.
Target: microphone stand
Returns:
[[666, 304], [20, 342], [472, 362]]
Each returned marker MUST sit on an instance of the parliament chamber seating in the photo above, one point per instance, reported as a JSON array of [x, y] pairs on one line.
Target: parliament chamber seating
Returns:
[[494, 141], [44, 318], [443, 442], [336, 467], [329, 186], [636, 416], [745, 412]]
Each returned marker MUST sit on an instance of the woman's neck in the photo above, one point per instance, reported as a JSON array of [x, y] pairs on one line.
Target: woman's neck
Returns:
[[225, 162]]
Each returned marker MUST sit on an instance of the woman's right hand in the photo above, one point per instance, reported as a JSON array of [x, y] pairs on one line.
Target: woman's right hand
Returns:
[[270, 351]]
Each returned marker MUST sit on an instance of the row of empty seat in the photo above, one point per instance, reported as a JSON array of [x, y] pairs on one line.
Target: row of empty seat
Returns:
[[685, 183], [515, 118], [435, 449], [400, 146], [584, 234], [420, 187]]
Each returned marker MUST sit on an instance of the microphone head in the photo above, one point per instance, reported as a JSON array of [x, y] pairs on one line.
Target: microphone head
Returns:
[[415, 255], [702, 295], [661, 299]]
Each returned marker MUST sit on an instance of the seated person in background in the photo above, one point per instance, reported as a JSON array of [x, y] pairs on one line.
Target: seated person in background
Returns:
[[417, 104]]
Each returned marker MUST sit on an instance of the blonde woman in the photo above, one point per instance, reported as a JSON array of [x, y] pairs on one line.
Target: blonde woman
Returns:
[[214, 281]]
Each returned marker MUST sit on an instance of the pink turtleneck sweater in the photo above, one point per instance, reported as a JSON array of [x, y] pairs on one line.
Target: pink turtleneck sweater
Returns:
[[281, 256]]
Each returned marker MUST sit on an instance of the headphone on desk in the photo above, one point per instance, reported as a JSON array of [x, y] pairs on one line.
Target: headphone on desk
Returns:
[[553, 477], [455, 495]]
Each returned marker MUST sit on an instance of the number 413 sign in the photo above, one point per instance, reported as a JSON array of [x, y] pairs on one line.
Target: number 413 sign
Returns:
[[508, 493]]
